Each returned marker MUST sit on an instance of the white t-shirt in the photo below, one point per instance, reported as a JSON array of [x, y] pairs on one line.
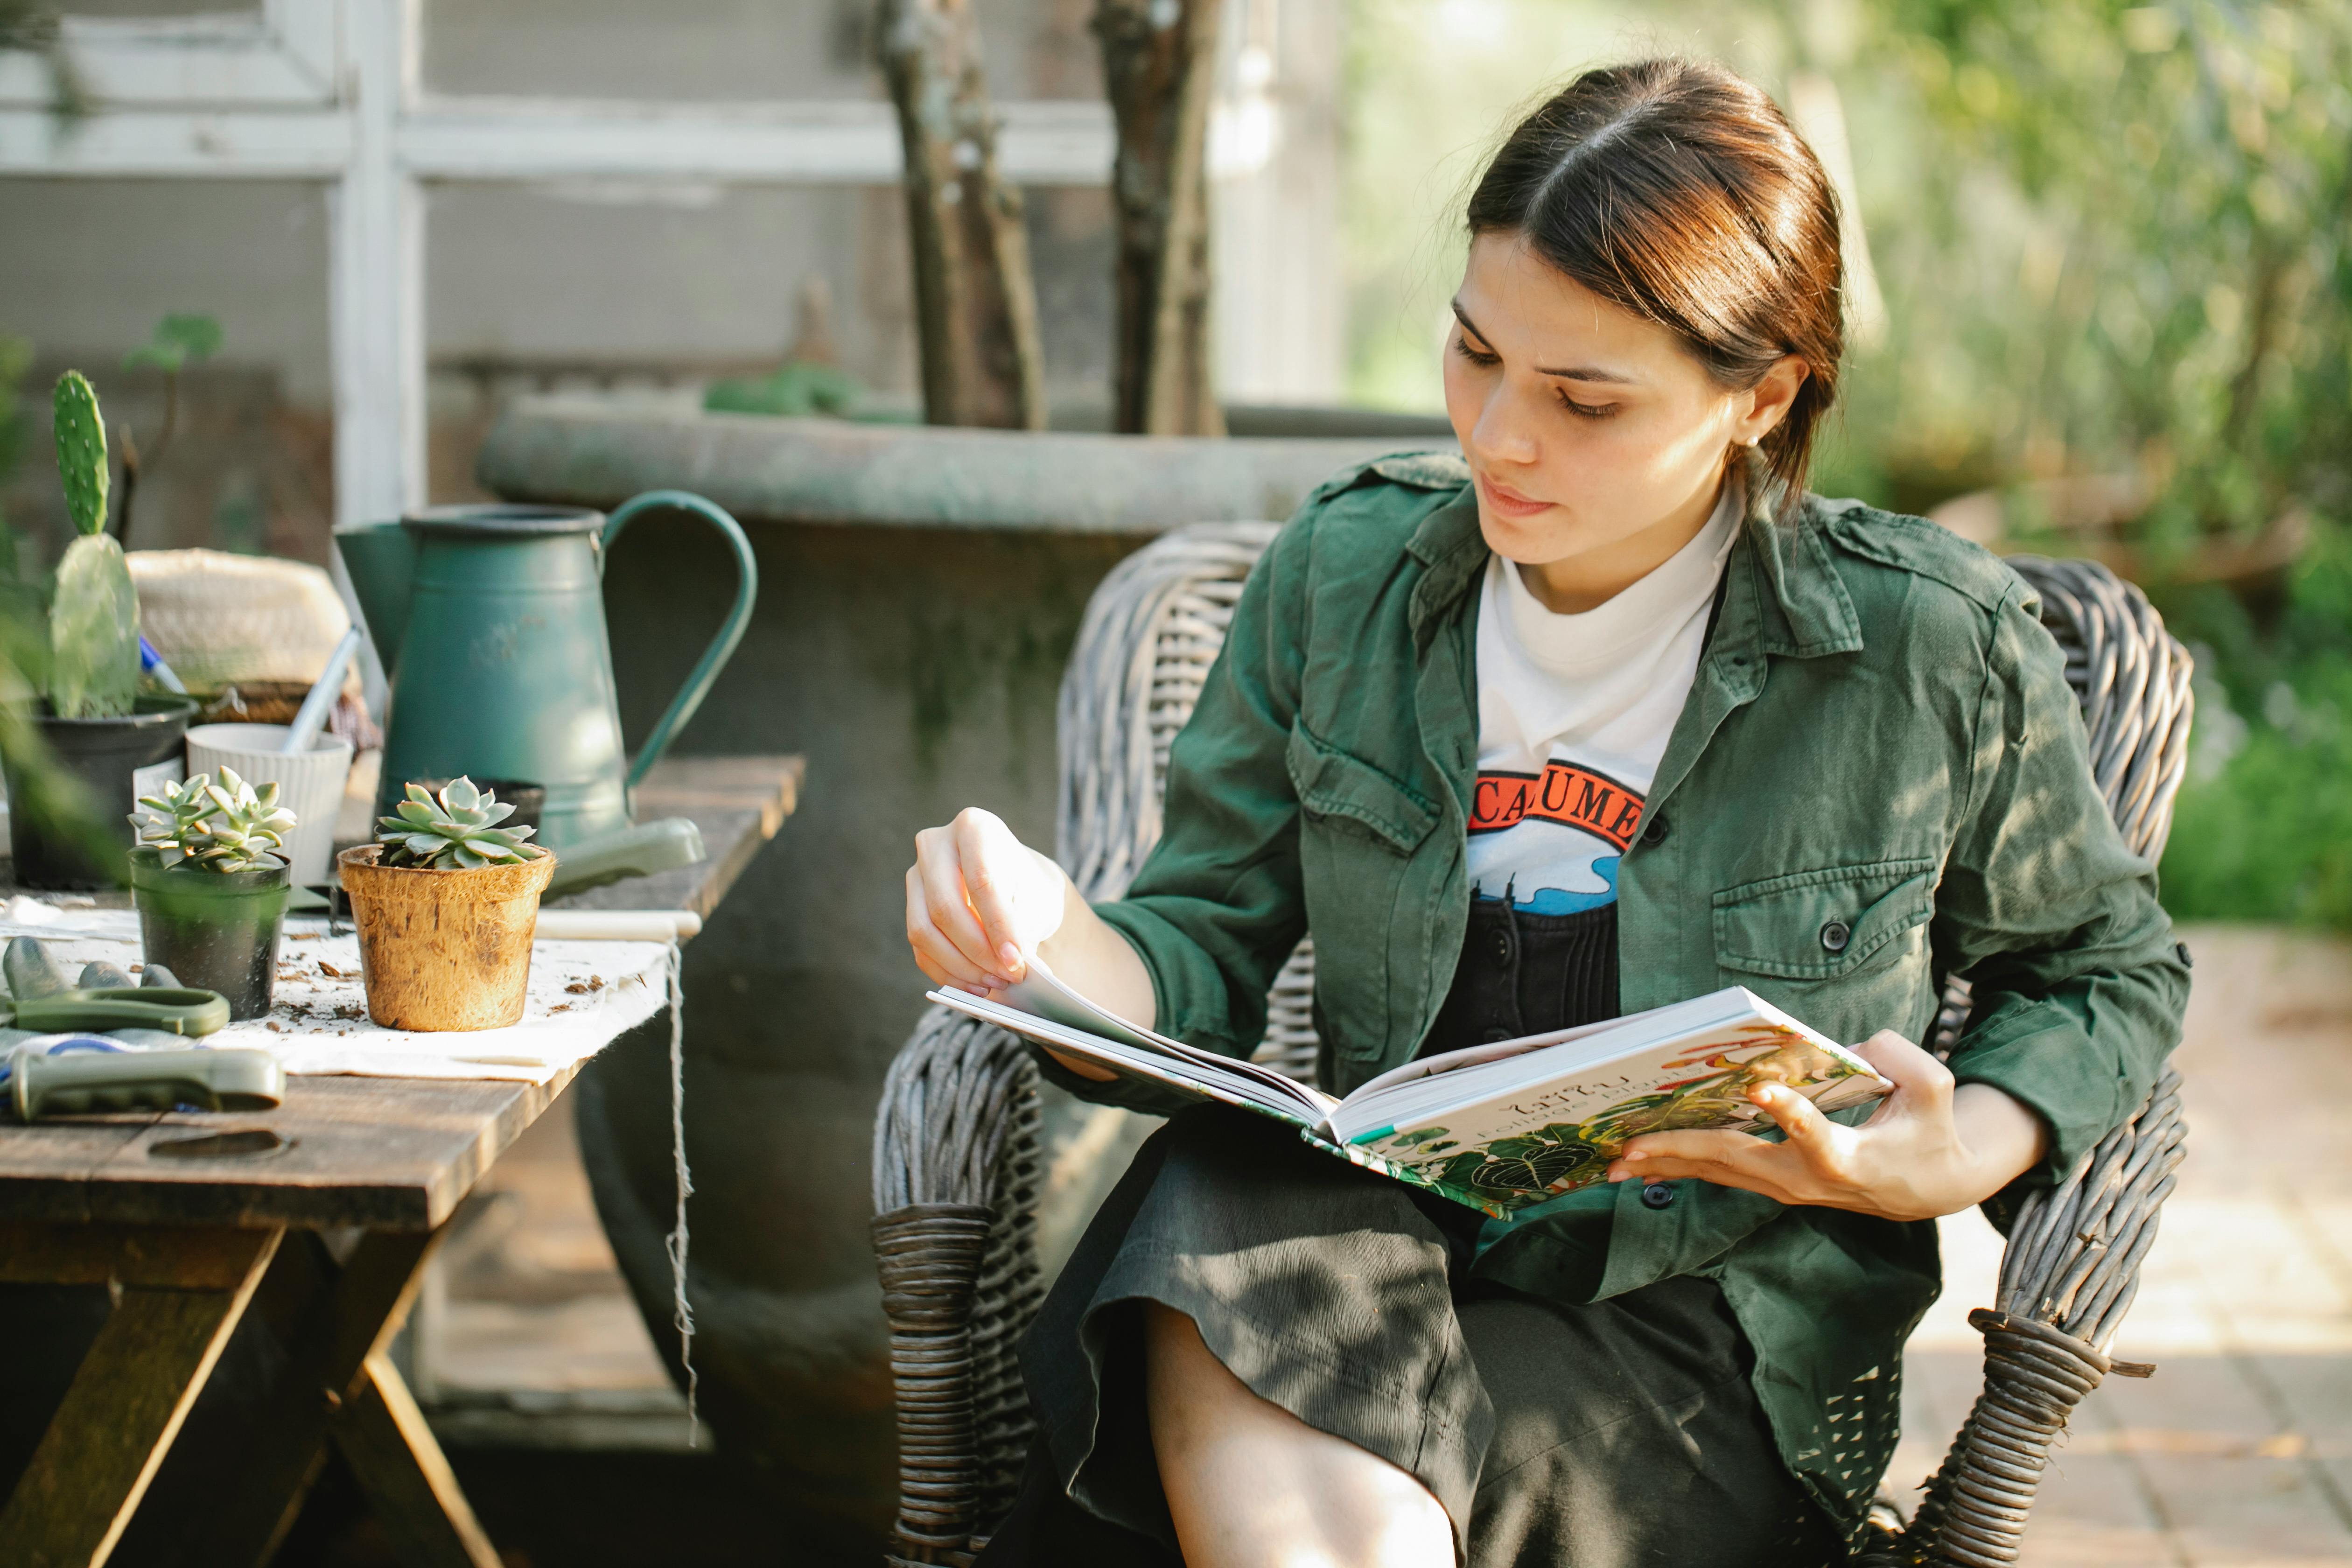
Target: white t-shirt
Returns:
[[1574, 713]]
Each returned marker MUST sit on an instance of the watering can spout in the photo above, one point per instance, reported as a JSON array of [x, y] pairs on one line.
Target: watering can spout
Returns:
[[382, 559]]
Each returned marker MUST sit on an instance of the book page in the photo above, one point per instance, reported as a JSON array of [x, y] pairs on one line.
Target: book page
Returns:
[[1045, 993], [1203, 1075]]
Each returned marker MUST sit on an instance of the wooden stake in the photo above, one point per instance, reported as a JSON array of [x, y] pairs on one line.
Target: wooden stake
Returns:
[[975, 303], [1159, 63]]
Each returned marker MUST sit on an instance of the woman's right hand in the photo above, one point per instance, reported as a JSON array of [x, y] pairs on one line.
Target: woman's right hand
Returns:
[[980, 901]]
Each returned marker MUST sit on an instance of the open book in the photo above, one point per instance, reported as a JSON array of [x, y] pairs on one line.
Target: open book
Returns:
[[1496, 1127]]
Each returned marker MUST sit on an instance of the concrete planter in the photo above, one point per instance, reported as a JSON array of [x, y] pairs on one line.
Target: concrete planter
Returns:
[[919, 592]]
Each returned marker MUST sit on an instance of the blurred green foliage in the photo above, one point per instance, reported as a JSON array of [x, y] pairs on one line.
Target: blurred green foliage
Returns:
[[2263, 827], [2110, 238], [179, 341], [2121, 246], [797, 388]]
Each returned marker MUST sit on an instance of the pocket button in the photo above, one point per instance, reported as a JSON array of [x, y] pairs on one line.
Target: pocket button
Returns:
[[1835, 935], [1657, 1194]]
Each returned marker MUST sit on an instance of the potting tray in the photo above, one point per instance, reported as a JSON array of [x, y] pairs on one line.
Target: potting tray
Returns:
[[581, 996]]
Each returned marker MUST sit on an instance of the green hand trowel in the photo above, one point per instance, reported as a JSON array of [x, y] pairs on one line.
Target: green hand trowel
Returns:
[[83, 1083]]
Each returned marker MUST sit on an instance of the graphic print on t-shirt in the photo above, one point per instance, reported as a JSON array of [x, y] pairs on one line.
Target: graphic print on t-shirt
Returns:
[[1574, 711], [1559, 832]]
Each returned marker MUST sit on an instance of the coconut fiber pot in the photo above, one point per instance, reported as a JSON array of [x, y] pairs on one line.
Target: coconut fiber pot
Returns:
[[100, 761], [443, 950], [216, 931]]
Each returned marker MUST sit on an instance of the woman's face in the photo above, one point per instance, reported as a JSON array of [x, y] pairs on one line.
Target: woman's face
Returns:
[[1598, 442]]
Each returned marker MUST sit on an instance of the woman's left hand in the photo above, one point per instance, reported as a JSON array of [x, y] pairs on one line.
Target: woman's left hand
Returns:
[[1929, 1150]]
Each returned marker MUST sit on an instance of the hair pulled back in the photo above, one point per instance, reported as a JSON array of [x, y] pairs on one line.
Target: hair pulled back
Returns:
[[1678, 191]]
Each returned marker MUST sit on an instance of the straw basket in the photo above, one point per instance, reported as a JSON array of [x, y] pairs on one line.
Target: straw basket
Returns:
[[443, 950]]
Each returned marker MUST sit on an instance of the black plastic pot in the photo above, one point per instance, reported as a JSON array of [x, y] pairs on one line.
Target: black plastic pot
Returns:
[[216, 931], [98, 758]]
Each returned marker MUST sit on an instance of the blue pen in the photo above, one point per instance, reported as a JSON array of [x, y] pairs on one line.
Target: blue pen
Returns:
[[152, 663]]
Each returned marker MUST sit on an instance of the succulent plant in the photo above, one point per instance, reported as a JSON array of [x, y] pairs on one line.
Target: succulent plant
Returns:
[[94, 617], [227, 825], [457, 829]]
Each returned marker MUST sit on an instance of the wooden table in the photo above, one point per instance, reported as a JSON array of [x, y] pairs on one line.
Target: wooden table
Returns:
[[322, 1239]]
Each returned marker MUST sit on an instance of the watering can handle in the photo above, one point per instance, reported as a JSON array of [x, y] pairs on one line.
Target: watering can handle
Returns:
[[722, 647]]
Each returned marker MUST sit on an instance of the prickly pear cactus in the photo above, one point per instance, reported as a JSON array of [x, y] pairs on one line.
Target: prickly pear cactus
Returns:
[[94, 619], [82, 451], [93, 632]]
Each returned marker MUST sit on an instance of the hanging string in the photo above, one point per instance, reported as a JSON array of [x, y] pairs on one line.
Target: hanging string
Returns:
[[682, 1310]]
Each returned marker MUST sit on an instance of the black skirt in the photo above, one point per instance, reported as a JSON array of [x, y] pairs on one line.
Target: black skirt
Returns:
[[1604, 1435]]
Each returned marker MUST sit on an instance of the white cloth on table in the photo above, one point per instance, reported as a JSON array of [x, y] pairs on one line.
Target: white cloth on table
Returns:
[[581, 997]]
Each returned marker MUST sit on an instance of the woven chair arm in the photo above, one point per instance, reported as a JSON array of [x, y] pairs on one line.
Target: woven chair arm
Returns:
[[955, 1197], [2067, 1279]]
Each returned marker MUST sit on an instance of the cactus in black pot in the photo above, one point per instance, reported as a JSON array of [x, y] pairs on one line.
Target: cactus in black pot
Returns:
[[72, 763]]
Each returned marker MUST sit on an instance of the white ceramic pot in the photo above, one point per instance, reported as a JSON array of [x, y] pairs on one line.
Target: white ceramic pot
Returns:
[[310, 784]]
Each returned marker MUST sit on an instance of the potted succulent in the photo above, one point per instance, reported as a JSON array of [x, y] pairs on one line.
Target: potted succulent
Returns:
[[446, 902], [210, 879], [92, 726]]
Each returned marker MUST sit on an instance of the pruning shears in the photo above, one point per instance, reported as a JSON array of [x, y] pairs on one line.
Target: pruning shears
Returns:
[[172, 1010]]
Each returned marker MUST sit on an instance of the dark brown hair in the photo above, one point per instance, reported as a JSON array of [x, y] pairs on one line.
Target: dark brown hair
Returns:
[[1677, 191]]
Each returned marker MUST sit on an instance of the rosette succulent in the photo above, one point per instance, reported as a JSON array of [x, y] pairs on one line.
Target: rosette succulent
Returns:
[[208, 825], [456, 829]]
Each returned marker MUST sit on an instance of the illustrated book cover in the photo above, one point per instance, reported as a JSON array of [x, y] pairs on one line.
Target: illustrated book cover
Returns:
[[1496, 1127]]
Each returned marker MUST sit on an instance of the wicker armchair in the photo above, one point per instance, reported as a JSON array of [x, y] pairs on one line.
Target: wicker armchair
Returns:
[[956, 1159]]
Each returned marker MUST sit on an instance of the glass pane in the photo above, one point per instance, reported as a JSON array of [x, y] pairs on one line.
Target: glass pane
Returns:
[[653, 293], [149, 7], [93, 266], [741, 50], [686, 50]]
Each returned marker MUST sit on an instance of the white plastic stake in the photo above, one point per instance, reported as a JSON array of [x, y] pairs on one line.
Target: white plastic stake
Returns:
[[321, 700]]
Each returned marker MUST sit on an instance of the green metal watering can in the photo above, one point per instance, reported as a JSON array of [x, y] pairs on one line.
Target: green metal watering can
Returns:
[[490, 622]]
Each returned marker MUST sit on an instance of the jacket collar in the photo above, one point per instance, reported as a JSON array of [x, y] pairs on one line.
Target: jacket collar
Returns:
[[1803, 607]]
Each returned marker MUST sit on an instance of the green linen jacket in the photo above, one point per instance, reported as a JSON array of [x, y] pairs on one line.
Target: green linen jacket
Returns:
[[1880, 733]]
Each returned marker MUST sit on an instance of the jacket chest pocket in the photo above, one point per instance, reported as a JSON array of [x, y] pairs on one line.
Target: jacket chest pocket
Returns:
[[1357, 833], [1843, 948]]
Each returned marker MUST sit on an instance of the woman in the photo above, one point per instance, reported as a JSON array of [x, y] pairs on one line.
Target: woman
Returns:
[[1606, 713]]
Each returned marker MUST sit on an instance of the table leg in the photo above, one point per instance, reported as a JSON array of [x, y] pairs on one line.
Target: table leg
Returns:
[[333, 1319], [126, 1401], [400, 1467]]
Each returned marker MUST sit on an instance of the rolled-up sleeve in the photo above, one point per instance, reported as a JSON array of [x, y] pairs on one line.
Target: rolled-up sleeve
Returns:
[[2079, 985]]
